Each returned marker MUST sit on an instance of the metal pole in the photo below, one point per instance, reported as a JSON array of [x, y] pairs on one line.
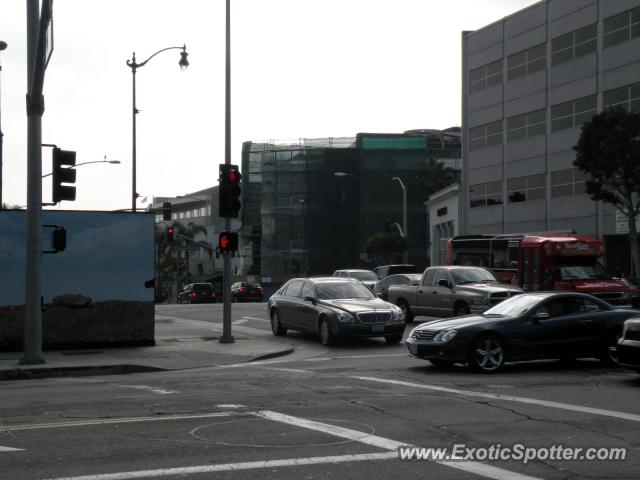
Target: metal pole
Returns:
[[32, 343], [404, 215], [226, 274], [134, 111], [3, 45]]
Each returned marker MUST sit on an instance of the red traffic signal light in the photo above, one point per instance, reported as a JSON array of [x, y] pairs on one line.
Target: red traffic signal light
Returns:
[[228, 242], [170, 232], [229, 191]]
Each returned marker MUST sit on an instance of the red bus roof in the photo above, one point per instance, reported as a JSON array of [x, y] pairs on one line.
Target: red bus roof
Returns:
[[533, 240]]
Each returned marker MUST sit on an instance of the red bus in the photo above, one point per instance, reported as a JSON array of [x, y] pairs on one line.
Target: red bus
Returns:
[[550, 261]]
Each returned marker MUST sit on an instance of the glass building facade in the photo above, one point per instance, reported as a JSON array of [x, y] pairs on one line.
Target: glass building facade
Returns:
[[300, 218]]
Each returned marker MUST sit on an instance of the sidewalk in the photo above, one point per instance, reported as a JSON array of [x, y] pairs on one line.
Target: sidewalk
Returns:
[[180, 344]]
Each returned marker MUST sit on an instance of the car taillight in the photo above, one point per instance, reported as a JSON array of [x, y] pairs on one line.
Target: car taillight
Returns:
[[194, 294], [213, 294], [242, 290], [261, 290]]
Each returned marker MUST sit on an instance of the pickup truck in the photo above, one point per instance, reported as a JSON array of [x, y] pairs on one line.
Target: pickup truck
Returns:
[[450, 291]]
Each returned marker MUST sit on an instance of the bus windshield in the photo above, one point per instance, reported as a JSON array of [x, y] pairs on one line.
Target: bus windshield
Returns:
[[582, 271]]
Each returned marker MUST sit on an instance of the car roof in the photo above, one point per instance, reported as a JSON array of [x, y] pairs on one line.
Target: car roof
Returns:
[[352, 270], [326, 279]]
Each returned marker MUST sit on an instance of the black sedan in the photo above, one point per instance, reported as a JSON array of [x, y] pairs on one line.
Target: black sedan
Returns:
[[629, 344], [528, 326], [333, 307]]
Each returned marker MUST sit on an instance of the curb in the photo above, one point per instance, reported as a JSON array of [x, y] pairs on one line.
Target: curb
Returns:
[[44, 372], [279, 353]]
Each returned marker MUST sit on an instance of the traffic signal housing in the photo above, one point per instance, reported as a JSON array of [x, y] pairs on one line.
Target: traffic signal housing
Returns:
[[63, 172], [59, 239], [170, 234], [229, 191], [228, 242], [166, 211]]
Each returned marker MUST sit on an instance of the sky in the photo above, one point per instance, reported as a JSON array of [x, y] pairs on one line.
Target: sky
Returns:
[[299, 69]]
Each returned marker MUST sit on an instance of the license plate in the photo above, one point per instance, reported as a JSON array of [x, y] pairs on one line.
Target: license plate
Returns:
[[413, 348], [377, 328]]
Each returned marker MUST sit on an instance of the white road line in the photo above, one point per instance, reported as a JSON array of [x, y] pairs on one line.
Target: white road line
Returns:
[[159, 391], [291, 370], [510, 398], [226, 467], [110, 421], [256, 318], [9, 449], [478, 468]]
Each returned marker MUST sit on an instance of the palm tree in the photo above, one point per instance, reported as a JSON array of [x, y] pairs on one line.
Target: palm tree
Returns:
[[436, 176]]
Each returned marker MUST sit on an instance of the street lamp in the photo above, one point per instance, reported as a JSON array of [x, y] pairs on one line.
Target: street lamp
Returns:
[[115, 162], [404, 215], [3, 46], [184, 63]]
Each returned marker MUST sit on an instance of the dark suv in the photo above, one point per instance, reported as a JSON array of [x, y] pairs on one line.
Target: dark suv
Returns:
[[246, 292], [197, 293]]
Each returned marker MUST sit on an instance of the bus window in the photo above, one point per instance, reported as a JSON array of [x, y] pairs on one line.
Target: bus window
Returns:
[[526, 277], [547, 279], [535, 269]]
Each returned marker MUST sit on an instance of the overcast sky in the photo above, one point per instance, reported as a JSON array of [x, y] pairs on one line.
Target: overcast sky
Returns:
[[300, 69]]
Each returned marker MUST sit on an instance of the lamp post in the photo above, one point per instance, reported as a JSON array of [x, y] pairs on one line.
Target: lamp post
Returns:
[[115, 162], [184, 63], [404, 215], [3, 45]]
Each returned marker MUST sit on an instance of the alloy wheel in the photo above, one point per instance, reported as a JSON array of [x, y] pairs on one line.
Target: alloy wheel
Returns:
[[488, 355]]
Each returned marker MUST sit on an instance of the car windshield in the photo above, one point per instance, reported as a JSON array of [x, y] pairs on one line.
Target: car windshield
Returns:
[[471, 275], [582, 271], [330, 291], [515, 306], [364, 276]]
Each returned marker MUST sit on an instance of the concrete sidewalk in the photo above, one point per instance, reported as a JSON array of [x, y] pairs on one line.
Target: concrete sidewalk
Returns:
[[180, 344]]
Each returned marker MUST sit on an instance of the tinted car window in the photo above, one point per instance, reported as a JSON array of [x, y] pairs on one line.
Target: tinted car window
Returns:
[[308, 290], [428, 278], [327, 291], [293, 290], [364, 276]]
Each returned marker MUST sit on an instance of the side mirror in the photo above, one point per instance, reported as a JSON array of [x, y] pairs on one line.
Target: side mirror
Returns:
[[443, 283], [380, 295], [310, 299]]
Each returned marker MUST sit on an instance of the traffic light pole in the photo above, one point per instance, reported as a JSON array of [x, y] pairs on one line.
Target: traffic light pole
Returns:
[[226, 274]]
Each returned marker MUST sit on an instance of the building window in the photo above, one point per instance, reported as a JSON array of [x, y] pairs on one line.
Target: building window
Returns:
[[567, 182], [485, 135], [528, 61], [485, 76], [181, 215], [572, 114], [626, 97], [527, 125], [174, 216], [523, 189], [485, 194], [622, 27], [575, 44]]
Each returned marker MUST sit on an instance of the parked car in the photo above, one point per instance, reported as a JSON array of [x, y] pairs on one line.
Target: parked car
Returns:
[[529, 326], [365, 276], [333, 307], [197, 293], [386, 270], [246, 292], [381, 288], [451, 291], [629, 345]]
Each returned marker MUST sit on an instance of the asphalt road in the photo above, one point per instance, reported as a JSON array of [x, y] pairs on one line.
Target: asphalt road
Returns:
[[338, 413]]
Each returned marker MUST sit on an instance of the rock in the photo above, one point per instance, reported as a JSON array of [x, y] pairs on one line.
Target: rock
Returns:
[[74, 300]]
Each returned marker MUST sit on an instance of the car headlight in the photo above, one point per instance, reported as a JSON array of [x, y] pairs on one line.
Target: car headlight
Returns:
[[345, 317], [445, 335], [479, 300], [397, 314]]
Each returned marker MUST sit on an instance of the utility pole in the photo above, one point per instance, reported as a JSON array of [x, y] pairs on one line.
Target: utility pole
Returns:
[[3, 45], [36, 64], [226, 274]]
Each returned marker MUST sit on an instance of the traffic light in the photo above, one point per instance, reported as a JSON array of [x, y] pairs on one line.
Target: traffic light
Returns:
[[63, 172], [170, 232], [166, 211], [59, 239], [229, 191], [228, 242]]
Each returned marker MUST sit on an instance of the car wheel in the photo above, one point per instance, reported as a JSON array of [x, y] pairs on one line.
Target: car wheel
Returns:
[[461, 309], [406, 309], [609, 350], [393, 339], [276, 327], [487, 354], [326, 337], [440, 363]]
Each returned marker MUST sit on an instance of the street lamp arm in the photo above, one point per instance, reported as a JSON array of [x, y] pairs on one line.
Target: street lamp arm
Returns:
[[132, 63], [86, 163]]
